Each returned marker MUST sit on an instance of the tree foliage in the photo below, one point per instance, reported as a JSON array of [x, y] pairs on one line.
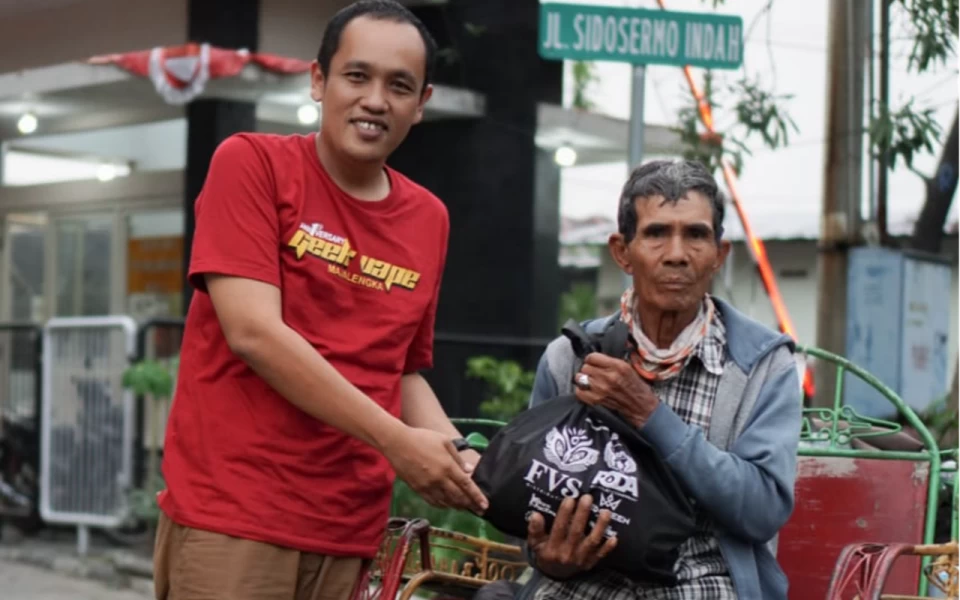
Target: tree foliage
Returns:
[[932, 27], [904, 132], [750, 109], [508, 386], [584, 74], [750, 112], [744, 109], [900, 132]]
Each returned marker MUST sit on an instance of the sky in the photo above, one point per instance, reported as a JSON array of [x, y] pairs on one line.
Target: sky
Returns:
[[781, 189]]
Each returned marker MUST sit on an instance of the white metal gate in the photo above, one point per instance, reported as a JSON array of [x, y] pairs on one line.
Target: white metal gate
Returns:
[[88, 421]]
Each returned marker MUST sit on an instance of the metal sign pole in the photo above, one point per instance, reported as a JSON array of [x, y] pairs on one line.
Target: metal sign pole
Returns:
[[635, 142], [635, 145]]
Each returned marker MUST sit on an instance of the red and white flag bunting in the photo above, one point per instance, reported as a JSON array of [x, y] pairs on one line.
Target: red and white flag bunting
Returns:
[[180, 73]]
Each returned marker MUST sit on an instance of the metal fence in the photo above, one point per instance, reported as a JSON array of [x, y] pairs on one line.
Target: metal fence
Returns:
[[87, 425], [20, 347]]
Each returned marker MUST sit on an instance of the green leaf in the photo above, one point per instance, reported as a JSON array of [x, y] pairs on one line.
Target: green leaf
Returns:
[[933, 28], [508, 386], [759, 113], [578, 303], [583, 76], [150, 377], [904, 133], [406, 503]]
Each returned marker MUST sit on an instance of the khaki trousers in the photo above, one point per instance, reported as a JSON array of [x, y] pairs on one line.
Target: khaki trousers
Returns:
[[191, 564]]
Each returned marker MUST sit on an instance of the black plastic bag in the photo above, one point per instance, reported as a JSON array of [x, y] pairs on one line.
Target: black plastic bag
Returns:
[[564, 448]]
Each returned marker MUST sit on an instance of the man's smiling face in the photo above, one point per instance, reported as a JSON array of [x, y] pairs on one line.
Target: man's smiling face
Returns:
[[374, 90]]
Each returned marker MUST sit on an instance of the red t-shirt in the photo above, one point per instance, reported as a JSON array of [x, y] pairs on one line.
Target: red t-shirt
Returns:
[[359, 281]]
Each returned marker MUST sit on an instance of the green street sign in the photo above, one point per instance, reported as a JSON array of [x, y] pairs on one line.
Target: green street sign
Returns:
[[640, 36]]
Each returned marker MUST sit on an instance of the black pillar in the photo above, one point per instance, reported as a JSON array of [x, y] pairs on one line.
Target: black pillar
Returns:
[[227, 24], [502, 277]]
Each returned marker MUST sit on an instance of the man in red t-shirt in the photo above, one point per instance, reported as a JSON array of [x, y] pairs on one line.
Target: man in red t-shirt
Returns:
[[317, 270]]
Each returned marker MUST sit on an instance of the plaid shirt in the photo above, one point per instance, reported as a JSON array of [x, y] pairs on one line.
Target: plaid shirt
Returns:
[[700, 569]]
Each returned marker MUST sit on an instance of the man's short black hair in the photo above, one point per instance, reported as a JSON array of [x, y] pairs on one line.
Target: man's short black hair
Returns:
[[671, 179], [382, 10]]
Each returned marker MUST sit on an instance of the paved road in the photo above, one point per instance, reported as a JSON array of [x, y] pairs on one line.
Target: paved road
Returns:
[[24, 582]]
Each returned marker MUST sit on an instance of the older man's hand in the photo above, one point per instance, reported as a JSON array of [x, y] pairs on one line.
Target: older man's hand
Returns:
[[568, 550], [614, 384]]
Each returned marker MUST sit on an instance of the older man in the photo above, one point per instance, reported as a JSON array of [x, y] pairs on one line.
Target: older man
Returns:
[[714, 392]]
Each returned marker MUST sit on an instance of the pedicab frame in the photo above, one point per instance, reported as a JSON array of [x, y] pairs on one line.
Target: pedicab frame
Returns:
[[416, 557], [838, 429]]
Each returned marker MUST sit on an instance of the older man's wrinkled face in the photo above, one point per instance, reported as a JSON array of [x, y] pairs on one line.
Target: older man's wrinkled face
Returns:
[[674, 254]]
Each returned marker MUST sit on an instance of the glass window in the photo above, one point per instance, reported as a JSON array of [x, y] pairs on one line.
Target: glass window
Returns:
[[155, 263], [84, 245], [22, 292], [26, 236]]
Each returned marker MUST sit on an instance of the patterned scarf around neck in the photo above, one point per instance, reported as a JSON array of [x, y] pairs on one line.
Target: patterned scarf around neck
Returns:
[[659, 364]]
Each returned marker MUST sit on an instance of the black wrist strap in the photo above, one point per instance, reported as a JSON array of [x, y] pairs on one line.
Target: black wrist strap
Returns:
[[461, 444]]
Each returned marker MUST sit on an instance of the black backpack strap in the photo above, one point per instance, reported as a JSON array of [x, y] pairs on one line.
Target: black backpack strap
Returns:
[[612, 337], [615, 340], [583, 343]]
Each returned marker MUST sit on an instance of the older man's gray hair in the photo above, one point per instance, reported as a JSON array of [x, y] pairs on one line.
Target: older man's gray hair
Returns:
[[672, 179]]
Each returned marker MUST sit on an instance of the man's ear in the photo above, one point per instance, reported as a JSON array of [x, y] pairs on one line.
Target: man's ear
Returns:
[[722, 252], [424, 97], [317, 82], [618, 251]]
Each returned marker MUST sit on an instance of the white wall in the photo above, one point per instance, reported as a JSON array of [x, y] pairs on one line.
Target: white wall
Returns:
[[795, 266]]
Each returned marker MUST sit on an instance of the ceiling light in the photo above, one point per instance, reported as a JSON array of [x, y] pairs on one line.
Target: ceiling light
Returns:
[[565, 156], [27, 124], [106, 172], [308, 114]]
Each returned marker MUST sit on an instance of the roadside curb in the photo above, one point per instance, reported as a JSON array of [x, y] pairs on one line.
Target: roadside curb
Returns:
[[115, 569]]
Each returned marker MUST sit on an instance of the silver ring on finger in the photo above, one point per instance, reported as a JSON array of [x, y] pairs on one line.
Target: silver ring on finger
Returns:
[[582, 381]]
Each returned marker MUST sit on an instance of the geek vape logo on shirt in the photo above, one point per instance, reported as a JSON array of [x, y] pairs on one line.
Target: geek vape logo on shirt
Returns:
[[313, 239], [316, 230]]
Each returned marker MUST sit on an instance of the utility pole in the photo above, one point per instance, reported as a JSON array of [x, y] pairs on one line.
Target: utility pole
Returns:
[[840, 225], [883, 167]]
